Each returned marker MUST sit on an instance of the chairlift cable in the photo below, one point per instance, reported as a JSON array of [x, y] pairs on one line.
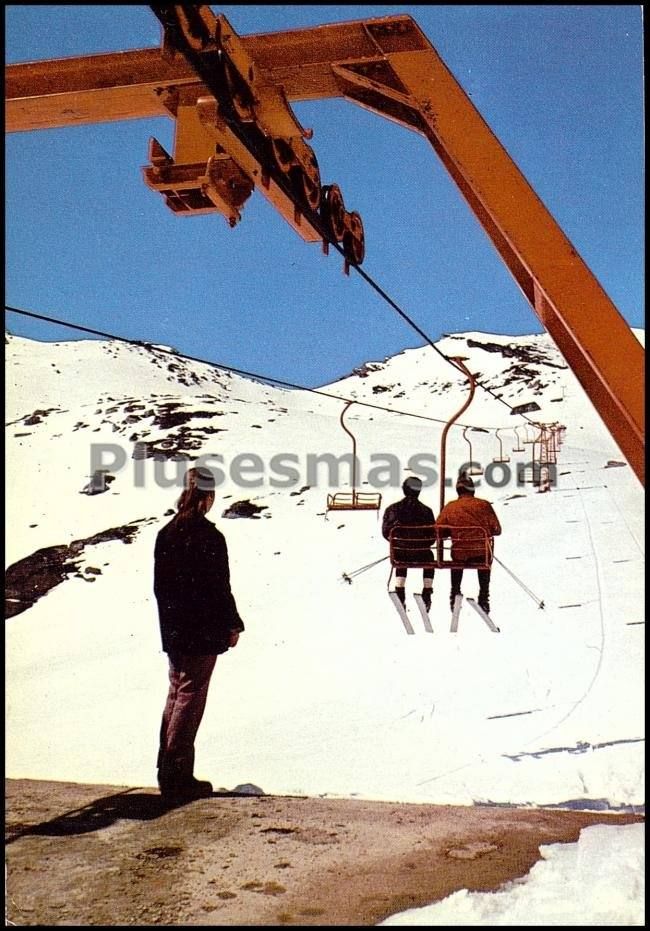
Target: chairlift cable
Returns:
[[373, 284], [228, 368]]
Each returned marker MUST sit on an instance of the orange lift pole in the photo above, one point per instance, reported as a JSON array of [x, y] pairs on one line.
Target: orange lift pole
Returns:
[[459, 362], [386, 65]]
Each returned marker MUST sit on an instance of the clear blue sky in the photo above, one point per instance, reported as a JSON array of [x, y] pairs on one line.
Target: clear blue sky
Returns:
[[86, 240]]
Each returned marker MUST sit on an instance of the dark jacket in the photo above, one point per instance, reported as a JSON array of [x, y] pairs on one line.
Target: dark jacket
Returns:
[[409, 512], [196, 607]]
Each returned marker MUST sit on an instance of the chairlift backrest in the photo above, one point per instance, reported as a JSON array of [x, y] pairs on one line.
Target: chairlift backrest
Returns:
[[435, 546]]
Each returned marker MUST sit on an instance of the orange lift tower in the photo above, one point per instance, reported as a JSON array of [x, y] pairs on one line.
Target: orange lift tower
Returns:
[[235, 131]]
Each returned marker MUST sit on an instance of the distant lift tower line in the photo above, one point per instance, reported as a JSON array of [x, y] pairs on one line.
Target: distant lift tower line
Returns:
[[388, 66]]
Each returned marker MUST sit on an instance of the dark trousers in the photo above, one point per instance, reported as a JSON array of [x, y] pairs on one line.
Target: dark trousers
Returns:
[[426, 573], [483, 585], [189, 679]]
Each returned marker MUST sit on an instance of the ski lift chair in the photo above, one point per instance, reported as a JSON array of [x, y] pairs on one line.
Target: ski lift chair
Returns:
[[440, 547], [519, 448], [353, 500], [474, 467], [500, 457], [434, 546]]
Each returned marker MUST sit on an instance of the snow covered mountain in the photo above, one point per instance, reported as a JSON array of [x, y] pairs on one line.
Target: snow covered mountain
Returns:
[[325, 693]]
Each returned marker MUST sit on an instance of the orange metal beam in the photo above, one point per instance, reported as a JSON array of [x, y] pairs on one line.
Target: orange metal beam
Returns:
[[389, 66], [133, 84], [90, 89]]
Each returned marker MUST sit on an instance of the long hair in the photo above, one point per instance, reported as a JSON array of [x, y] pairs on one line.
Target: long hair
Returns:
[[197, 495]]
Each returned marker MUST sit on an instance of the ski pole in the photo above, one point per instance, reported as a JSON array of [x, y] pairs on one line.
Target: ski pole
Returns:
[[540, 603], [348, 576]]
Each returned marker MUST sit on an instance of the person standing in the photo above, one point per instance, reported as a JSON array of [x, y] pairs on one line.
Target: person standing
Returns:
[[198, 621], [410, 511], [465, 512]]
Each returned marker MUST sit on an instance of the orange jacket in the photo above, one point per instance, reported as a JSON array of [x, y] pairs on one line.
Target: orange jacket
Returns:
[[468, 511]]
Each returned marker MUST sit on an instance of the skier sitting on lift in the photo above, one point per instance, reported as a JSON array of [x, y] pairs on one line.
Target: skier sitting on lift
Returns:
[[465, 512], [408, 512]]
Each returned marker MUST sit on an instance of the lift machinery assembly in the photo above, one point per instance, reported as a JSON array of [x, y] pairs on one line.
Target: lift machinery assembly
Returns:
[[230, 97]]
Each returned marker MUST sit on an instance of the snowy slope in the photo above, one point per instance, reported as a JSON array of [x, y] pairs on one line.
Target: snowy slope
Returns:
[[325, 694]]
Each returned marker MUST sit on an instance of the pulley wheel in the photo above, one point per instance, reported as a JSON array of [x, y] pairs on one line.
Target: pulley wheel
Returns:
[[354, 244], [308, 181], [333, 211]]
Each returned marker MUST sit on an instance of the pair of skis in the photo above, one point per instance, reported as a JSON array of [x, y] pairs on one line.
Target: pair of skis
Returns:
[[455, 614], [406, 621]]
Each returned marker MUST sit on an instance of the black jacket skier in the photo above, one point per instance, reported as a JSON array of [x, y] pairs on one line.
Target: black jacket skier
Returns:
[[196, 607], [410, 512]]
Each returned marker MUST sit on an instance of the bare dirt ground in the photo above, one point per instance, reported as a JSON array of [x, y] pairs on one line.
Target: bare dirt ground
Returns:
[[110, 855]]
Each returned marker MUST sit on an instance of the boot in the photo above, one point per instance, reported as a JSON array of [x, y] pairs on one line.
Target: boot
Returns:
[[426, 597], [177, 784], [187, 791], [401, 594], [452, 599], [197, 788]]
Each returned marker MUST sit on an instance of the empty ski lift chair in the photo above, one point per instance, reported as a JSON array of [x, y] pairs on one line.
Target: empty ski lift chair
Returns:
[[500, 457], [519, 448], [474, 467], [353, 500]]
